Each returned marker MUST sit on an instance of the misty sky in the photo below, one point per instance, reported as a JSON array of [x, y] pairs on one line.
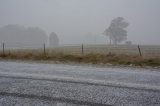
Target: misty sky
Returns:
[[73, 20]]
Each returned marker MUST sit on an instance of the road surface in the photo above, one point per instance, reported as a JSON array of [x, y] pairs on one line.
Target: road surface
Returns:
[[38, 84]]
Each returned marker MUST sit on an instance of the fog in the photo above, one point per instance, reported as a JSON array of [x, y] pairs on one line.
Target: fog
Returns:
[[84, 21]]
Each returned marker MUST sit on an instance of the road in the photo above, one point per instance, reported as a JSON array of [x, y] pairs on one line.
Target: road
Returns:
[[39, 84]]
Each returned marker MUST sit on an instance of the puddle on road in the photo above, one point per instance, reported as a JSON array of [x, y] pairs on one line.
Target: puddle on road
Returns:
[[28, 99], [79, 104], [68, 104]]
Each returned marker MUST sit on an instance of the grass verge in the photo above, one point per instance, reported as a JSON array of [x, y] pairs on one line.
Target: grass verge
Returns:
[[87, 58]]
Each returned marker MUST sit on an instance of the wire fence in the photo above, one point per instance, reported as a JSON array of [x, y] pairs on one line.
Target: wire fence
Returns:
[[152, 51], [140, 50]]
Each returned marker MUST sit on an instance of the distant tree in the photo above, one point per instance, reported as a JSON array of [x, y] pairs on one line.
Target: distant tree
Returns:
[[22, 36], [53, 40], [128, 42], [116, 31]]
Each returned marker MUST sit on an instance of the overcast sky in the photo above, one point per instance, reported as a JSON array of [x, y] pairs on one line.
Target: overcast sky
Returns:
[[72, 20]]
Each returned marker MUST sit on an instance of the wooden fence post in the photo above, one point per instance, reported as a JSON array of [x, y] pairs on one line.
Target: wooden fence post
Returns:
[[3, 50], [44, 49], [139, 49], [82, 49]]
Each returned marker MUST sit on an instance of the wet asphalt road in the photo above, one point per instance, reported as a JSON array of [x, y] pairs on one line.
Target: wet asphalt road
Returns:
[[37, 84]]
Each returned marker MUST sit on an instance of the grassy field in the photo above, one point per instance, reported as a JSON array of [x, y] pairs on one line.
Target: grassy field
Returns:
[[147, 51], [93, 58]]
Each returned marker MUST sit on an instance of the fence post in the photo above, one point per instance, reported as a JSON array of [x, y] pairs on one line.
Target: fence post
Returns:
[[44, 49], [3, 50], [9, 52], [139, 49], [82, 50]]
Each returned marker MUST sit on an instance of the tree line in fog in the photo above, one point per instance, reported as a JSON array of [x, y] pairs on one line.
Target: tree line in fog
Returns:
[[27, 35]]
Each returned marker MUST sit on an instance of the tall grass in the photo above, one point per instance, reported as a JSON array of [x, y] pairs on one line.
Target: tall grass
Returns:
[[86, 58]]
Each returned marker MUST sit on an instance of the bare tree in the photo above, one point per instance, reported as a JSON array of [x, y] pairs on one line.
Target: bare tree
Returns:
[[116, 31]]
